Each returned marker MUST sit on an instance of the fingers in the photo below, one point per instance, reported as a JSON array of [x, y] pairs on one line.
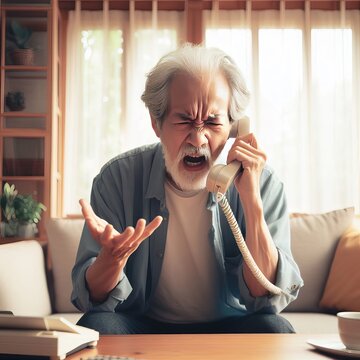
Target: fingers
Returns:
[[249, 139], [86, 209], [123, 244], [152, 226], [106, 237], [109, 238], [244, 152], [127, 243], [88, 212], [95, 224]]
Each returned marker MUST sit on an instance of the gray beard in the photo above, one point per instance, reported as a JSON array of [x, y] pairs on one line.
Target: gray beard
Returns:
[[185, 180]]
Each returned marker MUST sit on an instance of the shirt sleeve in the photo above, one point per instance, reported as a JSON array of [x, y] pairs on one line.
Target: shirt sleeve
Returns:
[[89, 249], [80, 296], [288, 276]]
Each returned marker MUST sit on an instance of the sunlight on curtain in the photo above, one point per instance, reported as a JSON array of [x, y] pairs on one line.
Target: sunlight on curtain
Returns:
[[331, 116], [148, 45], [229, 31], [281, 126], [304, 107], [107, 59]]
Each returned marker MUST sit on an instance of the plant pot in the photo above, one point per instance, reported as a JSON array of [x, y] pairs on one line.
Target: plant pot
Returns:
[[27, 231], [23, 56], [9, 229]]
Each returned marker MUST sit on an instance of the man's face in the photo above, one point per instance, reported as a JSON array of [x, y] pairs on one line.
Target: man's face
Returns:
[[195, 129]]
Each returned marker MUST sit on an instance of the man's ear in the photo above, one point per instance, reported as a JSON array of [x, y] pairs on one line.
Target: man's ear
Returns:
[[155, 126]]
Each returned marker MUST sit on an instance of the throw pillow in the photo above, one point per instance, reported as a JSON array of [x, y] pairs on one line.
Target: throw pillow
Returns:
[[342, 291], [63, 237], [314, 238]]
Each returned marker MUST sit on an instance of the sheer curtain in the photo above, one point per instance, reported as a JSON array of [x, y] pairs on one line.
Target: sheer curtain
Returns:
[[108, 54], [303, 70]]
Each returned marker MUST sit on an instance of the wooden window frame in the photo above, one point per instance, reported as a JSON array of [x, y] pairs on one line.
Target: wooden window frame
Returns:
[[193, 10]]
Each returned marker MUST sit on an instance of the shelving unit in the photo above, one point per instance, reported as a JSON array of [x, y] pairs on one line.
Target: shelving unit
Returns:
[[26, 131]]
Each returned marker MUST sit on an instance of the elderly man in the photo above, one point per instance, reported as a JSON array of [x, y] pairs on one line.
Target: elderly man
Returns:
[[179, 269]]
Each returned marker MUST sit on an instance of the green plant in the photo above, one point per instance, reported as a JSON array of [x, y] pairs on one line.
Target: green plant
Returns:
[[18, 34], [20, 209], [15, 100], [27, 210], [7, 202]]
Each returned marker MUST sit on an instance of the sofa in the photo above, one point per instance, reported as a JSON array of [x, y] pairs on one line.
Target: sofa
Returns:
[[35, 280]]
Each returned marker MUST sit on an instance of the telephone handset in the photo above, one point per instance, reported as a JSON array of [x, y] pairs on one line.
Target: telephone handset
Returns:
[[218, 181], [221, 176]]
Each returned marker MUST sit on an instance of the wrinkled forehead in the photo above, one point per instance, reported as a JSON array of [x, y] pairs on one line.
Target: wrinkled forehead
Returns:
[[188, 80], [186, 88]]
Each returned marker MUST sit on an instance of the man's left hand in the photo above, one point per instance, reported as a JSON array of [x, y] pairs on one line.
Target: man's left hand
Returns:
[[245, 150]]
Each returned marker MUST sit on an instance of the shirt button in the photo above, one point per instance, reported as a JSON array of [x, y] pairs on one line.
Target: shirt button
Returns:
[[161, 255]]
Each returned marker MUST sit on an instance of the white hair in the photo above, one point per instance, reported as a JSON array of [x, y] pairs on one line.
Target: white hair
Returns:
[[198, 62]]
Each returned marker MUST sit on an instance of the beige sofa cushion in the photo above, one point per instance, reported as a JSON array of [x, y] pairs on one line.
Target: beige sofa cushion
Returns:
[[314, 238], [63, 237], [23, 283], [312, 323]]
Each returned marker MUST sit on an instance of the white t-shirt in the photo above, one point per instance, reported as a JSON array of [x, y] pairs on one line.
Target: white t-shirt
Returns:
[[188, 288]]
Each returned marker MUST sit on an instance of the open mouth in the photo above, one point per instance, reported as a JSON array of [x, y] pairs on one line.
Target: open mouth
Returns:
[[194, 161]]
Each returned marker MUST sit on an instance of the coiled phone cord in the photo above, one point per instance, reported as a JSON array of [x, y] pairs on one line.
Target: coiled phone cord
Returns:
[[224, 204]]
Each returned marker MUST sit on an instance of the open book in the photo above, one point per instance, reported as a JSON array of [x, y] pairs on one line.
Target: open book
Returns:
[[43, 336]]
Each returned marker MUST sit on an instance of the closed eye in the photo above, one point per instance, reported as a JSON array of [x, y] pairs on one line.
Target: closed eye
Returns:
[[184, 123], [185, 117], [213, 121]]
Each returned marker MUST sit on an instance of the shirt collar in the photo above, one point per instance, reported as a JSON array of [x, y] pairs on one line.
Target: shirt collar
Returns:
[[156, 182]]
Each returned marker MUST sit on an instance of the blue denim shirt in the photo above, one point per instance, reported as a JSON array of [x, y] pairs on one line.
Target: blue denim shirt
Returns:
[[131, 186]]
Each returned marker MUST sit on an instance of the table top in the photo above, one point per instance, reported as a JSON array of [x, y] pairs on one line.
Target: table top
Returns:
[[208, 347]]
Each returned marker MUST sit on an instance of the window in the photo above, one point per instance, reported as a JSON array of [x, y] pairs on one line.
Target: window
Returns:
[[303, 108], [107, 62]]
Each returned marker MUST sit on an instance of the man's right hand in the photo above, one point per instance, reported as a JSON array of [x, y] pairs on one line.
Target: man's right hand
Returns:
[[104, 274], [119, 245]]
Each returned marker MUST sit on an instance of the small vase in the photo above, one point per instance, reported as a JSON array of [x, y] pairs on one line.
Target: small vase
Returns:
[[9, 229], [23, 56], [27, 231]]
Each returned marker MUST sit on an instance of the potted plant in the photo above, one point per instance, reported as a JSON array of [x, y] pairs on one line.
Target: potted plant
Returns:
[[17, 37], [22, 213], [9, 226], [15, 101], [27, 213]]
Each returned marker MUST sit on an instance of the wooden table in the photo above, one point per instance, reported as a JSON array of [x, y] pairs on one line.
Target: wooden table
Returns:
[[208, 347]]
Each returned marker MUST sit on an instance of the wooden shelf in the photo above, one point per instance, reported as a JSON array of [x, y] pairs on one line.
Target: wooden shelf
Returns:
[[28, 75], [23, 114], [23, 178], [24, 68], [26, 162], [23, 133]]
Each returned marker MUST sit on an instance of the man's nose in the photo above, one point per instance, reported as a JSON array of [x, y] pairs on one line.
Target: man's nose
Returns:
[[198, 136]]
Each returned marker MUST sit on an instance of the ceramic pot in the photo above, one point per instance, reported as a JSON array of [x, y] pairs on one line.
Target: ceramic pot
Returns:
[[23, 56]]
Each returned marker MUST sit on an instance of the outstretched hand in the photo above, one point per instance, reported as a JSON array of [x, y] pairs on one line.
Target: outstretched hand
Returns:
[[119, 245]]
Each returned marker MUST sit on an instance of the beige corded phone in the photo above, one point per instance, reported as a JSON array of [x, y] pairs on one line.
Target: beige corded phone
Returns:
[[53, 337], [218, 181]]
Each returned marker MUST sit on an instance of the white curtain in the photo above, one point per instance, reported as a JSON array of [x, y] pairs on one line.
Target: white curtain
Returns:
[[108, 54], [303, 70]]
